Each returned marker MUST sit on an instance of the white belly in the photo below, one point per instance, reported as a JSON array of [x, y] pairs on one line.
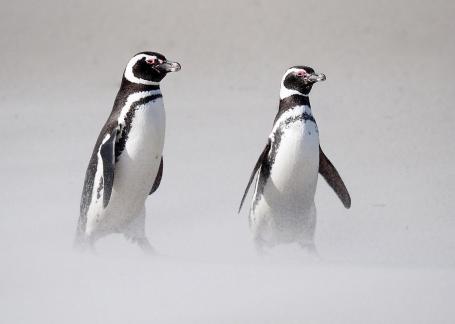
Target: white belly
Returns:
[[135, 170], [286, 205], [294, 173]]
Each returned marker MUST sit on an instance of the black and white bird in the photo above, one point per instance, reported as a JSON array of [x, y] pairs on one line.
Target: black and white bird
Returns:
[[127, 163], [283, 209]]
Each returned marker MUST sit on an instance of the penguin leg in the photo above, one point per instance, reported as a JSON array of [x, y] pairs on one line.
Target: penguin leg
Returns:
[[135, 231], [310, 248], [256, 227], [306, 241], [145, 245], [84, 243], [259, 245]]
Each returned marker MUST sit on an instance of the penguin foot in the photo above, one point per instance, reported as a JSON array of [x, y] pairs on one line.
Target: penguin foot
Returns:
[[145, 246], [84, 244], [310, 248], [259, 244]]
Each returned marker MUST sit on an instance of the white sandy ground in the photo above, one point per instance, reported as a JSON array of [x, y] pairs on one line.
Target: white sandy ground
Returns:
[[386, 119]]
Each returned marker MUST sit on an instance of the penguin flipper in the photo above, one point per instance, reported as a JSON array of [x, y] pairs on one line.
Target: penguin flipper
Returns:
[[107, 152], [258, 165], [331, 175], [159, 175]]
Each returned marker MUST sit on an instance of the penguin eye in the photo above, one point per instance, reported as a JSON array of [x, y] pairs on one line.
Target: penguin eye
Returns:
[[152, 61], [301, 73]]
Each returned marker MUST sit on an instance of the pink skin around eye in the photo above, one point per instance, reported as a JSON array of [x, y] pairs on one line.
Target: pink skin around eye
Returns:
[[151, 61], [301, 73]]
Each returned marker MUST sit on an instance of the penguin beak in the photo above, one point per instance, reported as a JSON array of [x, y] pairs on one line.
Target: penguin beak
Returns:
[[169, 66], [315, 77]]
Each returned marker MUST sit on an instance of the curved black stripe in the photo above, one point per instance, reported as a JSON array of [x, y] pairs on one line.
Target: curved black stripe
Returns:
[[123, 136], [290, 102], [305, 116], [127, 88]]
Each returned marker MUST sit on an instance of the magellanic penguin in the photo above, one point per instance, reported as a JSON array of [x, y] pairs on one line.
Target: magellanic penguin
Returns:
[[127, 163], [283, 209]]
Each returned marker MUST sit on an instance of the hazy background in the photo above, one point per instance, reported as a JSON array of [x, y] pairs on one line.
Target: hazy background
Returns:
[[386, 119]]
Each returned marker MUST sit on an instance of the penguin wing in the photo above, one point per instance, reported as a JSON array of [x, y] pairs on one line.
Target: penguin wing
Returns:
[[331, 175], [107, 152], [159, 175], [258, 165]]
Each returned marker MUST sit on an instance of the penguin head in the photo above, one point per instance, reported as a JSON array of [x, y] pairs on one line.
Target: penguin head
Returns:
[[299, 80], [149, 68]]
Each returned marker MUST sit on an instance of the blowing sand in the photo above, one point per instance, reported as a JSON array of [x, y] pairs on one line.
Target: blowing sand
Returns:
[[385, 116]]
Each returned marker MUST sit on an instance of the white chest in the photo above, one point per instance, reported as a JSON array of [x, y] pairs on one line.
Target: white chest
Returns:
[[283, 208], [296, 163], [147, 130], [138, 164]]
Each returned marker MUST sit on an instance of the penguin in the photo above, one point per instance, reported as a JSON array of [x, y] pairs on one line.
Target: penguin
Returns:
[[282, 209], [127, 161]]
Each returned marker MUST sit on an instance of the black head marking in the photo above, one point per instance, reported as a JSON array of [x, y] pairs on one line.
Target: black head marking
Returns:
[[149, 68], [301, 79], [146, 71]]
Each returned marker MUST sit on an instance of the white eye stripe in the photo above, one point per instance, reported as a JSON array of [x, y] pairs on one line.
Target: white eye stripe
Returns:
[[291, 70], [154, 60]]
